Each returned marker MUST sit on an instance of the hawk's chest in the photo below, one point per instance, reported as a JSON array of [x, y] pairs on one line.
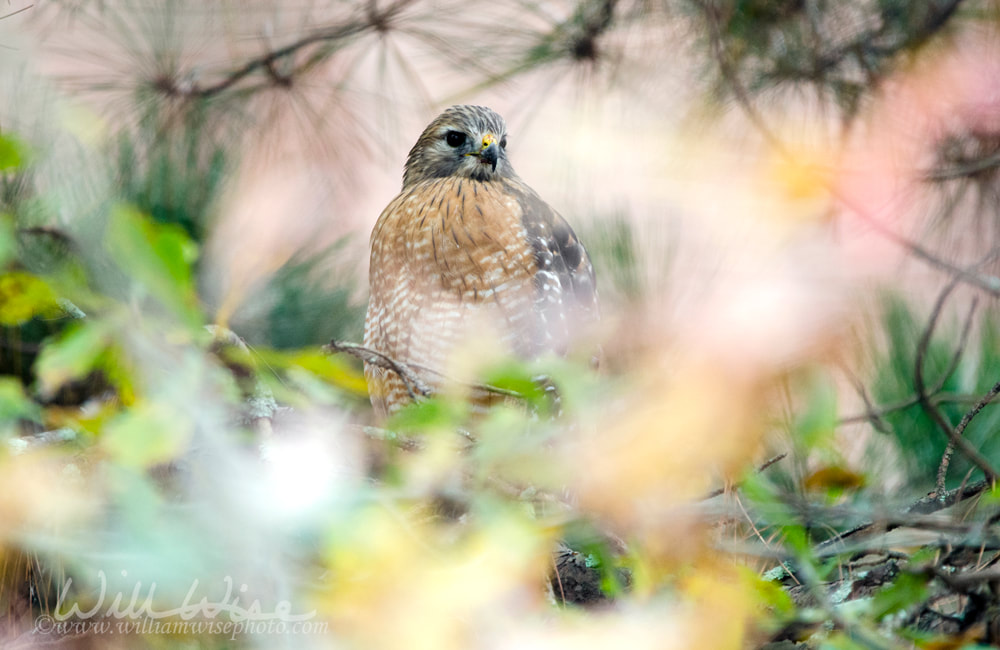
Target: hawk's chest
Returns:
[[455, 240]]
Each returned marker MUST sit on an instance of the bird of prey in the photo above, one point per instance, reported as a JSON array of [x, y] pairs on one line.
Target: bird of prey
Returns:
[[468, 255]]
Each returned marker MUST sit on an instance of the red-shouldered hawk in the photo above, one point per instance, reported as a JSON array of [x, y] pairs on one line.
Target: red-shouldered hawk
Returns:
[[467, 251]]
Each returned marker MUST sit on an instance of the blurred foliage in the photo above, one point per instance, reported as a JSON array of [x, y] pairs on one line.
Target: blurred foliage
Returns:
[[308, 301], [173, 172], [232, 473], [837, 49], [915, 431], [615, 258], [917, 436], [12, 153]]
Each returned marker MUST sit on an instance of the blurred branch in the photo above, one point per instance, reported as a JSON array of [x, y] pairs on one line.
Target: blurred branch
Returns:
[[268, 61], [49, 232], [965, 169], [964, 581], [16, 12], [574, 39], [988, 283], [375, 19], [910, 516], [939, 399], [932, 409], [933, 22], [729, 74], [819, 45], [581, 31], [872, 413]]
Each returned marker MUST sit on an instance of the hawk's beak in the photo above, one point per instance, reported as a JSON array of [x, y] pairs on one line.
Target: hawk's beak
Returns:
[[490, 152]]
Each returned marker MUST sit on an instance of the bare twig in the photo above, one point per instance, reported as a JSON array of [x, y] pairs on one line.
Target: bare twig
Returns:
[[414, 385], [939, 398], [960, 430], [987, 398], [942, 472], [941, 480], [879, 412]]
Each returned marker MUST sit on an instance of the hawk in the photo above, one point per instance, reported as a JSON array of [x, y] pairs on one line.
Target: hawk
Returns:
[[466, 255]]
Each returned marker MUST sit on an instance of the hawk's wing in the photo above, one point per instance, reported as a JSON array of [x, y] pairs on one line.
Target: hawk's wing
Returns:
[[565, 287]]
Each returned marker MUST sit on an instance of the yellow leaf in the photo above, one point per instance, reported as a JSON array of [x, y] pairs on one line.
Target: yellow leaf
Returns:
[[834, 477], [24, 296]]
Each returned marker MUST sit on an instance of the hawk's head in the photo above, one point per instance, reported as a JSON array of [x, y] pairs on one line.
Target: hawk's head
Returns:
[[466, 141]]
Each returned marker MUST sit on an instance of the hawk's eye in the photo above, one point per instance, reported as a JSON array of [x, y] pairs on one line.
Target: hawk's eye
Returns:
[[503, 142], [454, 138]]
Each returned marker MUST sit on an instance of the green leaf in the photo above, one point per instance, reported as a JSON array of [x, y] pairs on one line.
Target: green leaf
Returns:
[[771, 595], [157, 257], [14, 403], [840, 641], [8, 240], [148, 434], [426, 415], [72, 356], [332, 369], [990, 498], [766, 500], [907, 590], [517, 378], [816, 425], [12, 153], [797, 539]]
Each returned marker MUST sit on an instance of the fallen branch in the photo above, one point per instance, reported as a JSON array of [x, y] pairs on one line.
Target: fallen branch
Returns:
[[926, 505]]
